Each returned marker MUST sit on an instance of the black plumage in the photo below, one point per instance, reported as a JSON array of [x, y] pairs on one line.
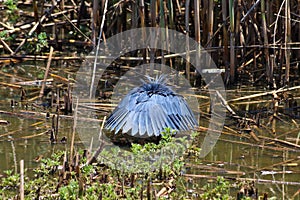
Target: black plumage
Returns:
[[147, 110]]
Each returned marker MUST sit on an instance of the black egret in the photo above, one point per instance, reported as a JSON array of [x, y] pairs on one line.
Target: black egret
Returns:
[[150, 108]]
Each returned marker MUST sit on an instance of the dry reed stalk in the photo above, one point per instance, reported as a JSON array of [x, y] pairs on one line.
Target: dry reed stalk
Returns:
[[99, 149], [187, 29], [210, 22], [287, 41], [239, 29], [266, 43], [290, 144], [275, 107], [170, 24], [244, 179], [264, 93], [22, 179], [14, 86], [275, 165], [95, 14], [171, 14], [74, 130], [232, 42], [35, 11], [162, 25], [62, 30], [225, 40], [142, 19], [6, 46], [56, 126], [46, 72], [134, 24], [197, 21], [35, 135], [197, 32], [97, 49], [154, 14]]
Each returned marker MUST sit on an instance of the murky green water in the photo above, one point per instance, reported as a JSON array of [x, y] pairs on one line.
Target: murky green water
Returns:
[[237, 157]]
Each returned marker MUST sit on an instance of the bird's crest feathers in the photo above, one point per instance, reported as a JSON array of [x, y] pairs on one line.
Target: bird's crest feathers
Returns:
[[159, 79]]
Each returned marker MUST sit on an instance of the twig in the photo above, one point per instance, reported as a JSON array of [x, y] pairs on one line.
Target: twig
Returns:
[[264, 93], [6, 45], [11, 85], [22, 179], [250, 10], [97, 49], [280, 141], [74, 130], [243, 179], [234, 115], [46, 73], [97, 152]]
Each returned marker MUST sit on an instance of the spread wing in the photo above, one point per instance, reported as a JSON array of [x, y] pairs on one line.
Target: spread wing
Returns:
[[141, 114]]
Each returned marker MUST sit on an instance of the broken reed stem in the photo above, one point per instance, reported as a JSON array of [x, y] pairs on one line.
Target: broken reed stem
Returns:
[[46, 72], [98, 151], [22, 179], [74, 129]]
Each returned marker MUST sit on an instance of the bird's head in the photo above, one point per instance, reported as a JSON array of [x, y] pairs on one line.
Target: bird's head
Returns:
[[157, 84]]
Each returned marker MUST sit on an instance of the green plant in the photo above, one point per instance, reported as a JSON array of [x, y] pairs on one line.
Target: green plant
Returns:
[[69, 191], [37, 43], [218, 190], [49, 165], [42, 41], [9, 184], [11, 181], [3, 34], [12, 11]]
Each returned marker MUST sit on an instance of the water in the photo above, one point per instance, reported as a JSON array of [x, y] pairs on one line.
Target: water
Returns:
[[236, 155]]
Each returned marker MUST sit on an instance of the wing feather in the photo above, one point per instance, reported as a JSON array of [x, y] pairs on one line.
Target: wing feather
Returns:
[[135, 125], [148, 109], [128, 124], [142, 124]]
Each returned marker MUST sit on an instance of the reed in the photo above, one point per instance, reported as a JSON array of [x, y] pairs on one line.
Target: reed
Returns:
[[254, 32]]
